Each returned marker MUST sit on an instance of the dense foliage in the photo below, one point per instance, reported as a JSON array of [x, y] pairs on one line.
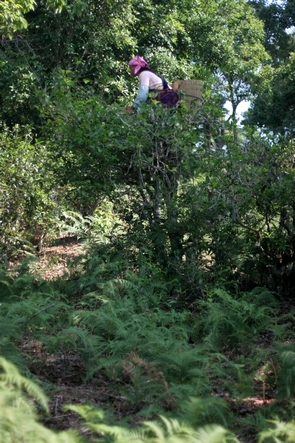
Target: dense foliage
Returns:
[[181, 298]]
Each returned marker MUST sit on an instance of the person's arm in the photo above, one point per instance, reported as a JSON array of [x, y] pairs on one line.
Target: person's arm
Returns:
[[141, 97]]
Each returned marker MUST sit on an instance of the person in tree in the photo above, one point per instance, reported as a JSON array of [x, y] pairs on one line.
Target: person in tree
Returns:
[[150, 81]]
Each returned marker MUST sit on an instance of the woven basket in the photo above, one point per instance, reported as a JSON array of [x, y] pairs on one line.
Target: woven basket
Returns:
[[190, 91]]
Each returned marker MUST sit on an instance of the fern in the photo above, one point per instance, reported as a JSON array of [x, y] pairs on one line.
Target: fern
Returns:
[[231, 321], [18, 420], [10, 334], [99, 226], [281, 432], [165, 431], [205, 410], [75, 224], [68, 339], [286, 375], [11, 376], [5, 283], [187, 366]]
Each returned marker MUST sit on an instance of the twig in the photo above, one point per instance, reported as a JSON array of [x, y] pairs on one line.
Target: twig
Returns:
[[123, 121], [37, 313]]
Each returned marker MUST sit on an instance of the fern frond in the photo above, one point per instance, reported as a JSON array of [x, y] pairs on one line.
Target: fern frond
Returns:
[[166, 431], [75, 224], [282, 432], [286, 375], [18, 420], [11, 376], [69, 339], [214, 434], [205, 410], [230, 321]]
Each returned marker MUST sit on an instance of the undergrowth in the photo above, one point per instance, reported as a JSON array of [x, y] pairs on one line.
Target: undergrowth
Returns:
[[194, 365]]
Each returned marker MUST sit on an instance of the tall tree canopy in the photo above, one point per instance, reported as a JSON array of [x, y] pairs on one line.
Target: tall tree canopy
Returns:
[[94, 41], [273, 107]]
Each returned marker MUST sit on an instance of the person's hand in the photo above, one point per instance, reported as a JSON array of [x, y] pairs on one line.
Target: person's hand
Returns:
[[129, 109]]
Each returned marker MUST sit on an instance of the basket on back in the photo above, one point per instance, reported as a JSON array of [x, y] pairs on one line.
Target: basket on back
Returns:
[[190, 91]]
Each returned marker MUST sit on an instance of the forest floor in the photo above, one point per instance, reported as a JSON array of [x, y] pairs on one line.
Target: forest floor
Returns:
[[63, 374]]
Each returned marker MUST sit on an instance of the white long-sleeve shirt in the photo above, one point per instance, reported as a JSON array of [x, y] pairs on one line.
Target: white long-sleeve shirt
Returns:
[[148, 81]]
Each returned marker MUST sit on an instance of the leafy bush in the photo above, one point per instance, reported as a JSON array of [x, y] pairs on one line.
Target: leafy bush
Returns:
[[26, 181]]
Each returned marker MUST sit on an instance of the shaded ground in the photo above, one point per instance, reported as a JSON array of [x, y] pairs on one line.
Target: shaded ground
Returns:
[[53, 259], [64, 374]]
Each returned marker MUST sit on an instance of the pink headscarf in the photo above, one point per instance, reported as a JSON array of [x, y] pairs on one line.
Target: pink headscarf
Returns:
[[138, 62]]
